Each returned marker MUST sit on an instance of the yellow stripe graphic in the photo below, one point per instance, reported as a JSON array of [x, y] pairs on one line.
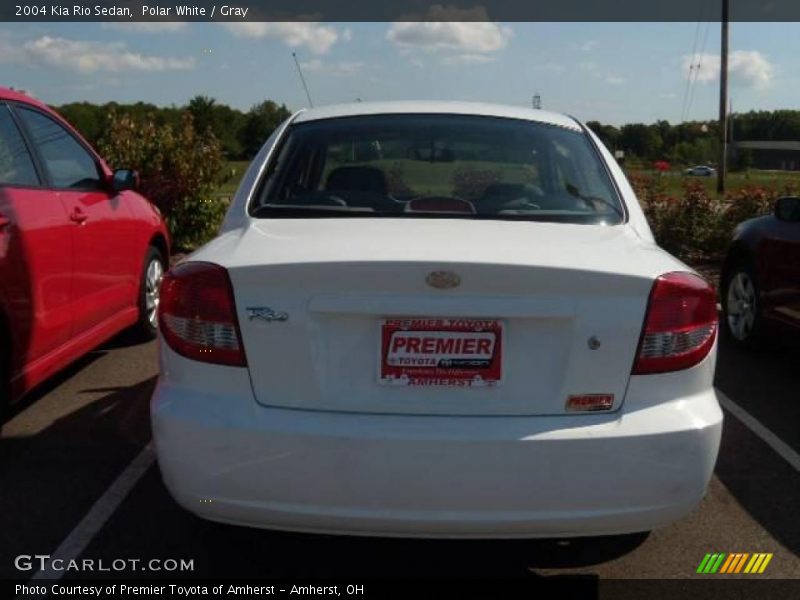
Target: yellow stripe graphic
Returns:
[[753, 564], [741, 562], [758, 563], [765, 563]]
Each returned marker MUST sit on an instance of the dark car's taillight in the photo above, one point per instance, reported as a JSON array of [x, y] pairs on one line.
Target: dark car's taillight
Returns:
[[680, 324], [197, 314]]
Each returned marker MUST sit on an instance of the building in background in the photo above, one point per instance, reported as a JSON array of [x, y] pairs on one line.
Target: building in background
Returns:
[[780, 156]]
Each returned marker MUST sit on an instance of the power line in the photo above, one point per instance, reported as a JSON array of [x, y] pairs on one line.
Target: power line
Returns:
[[696, 61], [701, 56], [691, 67]]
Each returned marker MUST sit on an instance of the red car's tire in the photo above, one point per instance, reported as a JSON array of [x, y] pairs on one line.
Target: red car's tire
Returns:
[[155, 265]]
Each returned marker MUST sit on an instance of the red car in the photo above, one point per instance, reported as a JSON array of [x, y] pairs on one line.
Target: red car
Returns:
[[81, 253]]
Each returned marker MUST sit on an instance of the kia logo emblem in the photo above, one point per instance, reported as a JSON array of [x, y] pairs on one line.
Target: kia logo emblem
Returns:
[[443, 280]]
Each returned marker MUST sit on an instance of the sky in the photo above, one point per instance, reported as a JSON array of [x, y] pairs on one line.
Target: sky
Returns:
[[612, 72]]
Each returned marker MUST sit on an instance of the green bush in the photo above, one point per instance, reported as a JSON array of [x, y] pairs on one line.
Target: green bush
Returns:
[[179, 172]]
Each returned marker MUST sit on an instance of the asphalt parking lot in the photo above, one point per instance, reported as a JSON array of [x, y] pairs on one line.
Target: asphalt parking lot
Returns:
[[66, 444]]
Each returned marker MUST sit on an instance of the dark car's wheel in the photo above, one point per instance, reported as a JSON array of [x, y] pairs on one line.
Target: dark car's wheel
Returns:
[[149, 289], [741, 305]]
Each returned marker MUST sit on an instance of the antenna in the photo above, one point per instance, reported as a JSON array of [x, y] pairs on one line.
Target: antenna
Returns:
[[302, 79]]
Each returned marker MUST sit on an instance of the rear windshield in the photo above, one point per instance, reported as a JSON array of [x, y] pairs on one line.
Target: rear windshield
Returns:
[[451, 166]]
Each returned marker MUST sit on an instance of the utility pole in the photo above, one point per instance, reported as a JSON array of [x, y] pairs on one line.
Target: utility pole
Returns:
[[303, 80], [723, 102]]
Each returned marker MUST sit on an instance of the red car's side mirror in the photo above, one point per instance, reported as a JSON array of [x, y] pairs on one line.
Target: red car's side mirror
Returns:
[[125, 179]]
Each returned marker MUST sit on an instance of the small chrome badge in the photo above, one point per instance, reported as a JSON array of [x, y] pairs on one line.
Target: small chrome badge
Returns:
[[265, 313], [443, 280]]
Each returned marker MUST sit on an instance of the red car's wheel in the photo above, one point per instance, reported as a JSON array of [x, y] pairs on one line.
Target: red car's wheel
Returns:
[[149, 293]]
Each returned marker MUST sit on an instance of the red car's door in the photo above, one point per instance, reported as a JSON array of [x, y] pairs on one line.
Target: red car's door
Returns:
[[106, 267], [35, 259]]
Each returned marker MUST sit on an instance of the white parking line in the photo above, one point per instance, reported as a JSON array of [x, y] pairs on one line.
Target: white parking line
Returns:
[[773, 441], [80, 537]]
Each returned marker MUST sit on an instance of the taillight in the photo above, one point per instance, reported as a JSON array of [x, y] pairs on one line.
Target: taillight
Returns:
[[197, 314], [680, 325]]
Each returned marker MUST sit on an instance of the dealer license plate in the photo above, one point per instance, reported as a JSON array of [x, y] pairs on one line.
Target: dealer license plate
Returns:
[[441, 352]]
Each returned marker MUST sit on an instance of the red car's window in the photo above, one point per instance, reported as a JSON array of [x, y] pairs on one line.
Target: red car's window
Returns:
[[16, 165], [67, 162]]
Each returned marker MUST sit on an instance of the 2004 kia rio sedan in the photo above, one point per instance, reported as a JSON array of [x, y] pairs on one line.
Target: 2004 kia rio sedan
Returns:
[[436, 319]]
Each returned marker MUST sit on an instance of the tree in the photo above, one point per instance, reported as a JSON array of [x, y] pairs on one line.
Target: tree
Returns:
[[202, 110], [259, 123], [641, 140], [608, 134], [179, 171], [224, 122], [89, 119]]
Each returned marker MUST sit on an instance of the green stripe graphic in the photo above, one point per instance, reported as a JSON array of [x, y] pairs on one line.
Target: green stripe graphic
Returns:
[[702, 566], [718, 563]]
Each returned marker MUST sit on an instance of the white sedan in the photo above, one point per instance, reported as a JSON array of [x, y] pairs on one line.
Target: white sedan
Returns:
[[700, 171], [436, 319]]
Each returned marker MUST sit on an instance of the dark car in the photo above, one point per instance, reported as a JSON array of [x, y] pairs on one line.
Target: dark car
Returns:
[[760, 288]]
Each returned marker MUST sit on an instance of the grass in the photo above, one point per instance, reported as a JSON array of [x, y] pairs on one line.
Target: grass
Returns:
[[233, 172], [674, 180]]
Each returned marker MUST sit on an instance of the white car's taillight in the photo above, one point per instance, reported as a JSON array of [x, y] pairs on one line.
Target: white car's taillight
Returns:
[[197, 314], [680, 324]]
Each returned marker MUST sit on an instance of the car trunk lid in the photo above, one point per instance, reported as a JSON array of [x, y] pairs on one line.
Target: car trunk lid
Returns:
[[320, 302]]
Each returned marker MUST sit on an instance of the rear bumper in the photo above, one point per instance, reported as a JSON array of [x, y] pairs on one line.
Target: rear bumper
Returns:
[[226, 458]]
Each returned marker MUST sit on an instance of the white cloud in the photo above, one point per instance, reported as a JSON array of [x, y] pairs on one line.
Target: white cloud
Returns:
[[747, 68], [315, 37], [614, 80], [463, 35], [338, 68], [467, 37], [90, 57], [148, 26], [588, 45]]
